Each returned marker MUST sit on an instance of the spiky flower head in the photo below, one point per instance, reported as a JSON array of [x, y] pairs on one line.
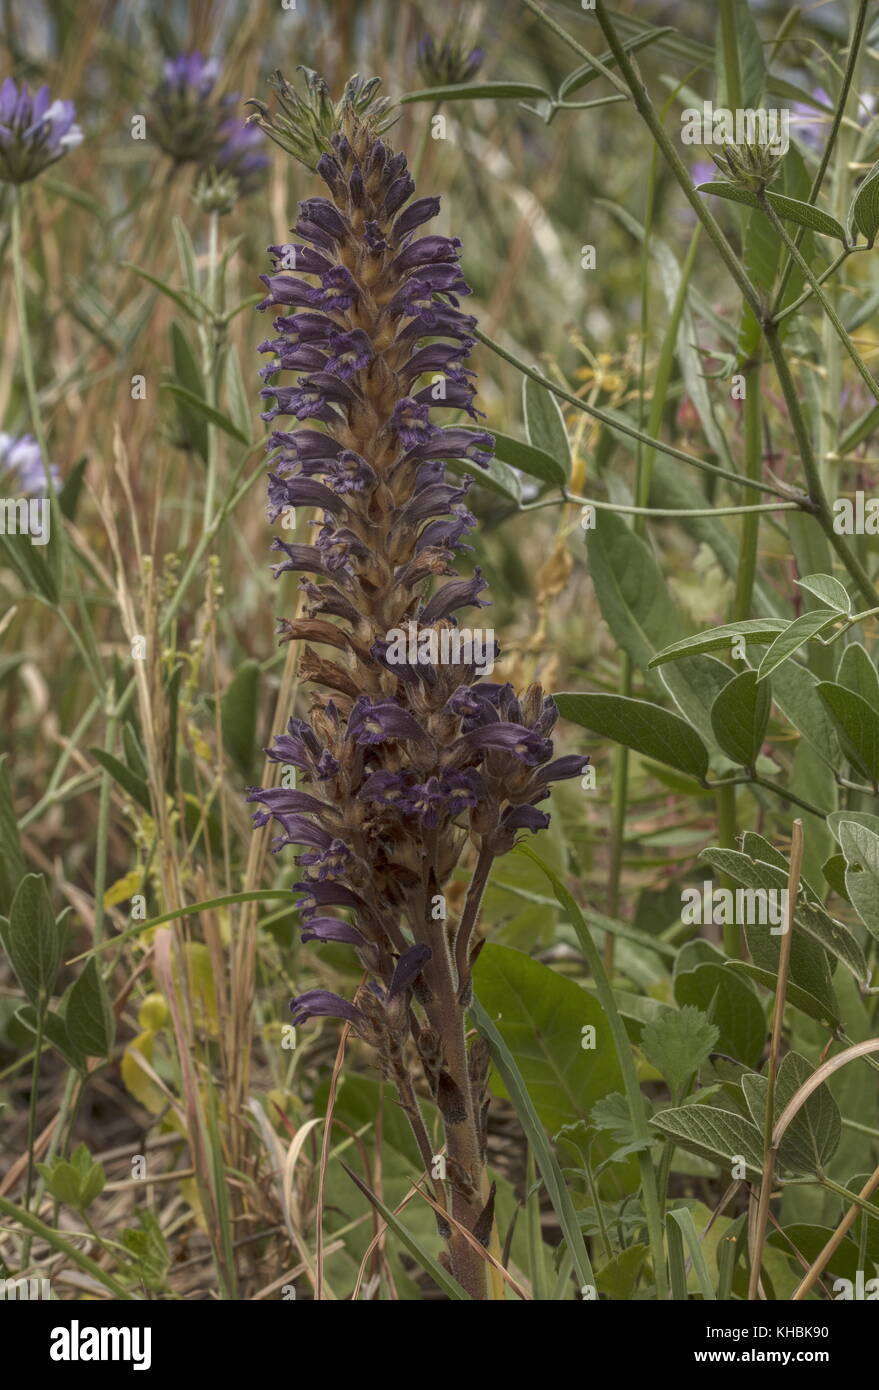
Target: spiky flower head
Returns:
[[34, 131], [307, 120], [752, 167], [449, 63]]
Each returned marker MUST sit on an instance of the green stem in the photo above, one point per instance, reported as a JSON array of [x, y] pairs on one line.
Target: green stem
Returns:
[[647, 111], [726, 830], [211, 359], [590, 58], [792, 308]]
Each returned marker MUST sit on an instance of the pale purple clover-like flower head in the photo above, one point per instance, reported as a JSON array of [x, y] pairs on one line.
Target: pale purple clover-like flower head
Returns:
[[22, 463], [186, 118], [447, 63], [35, 131]]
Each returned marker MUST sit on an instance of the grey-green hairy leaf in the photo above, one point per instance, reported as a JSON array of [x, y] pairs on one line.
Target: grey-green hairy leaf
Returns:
[[637, 724]]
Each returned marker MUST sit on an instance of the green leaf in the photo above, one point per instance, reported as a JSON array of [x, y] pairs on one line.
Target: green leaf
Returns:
[[637, 724], [186, 253], [809, 916], [529, 460], [756, 630], [149, 1257], [857, 724], [717, 1134], [677, 1043], [833, 870], [631, 589], [813, 1136], [545, 424], [694, 683], [239, 400], [740, 65], [128, 780], [739, 717], [861, 849], [588, 72], [683, 1220], [55, 1029], [193, 432], [89, 1018], [201, 406], [796, 996], [865, 205], [858, 674], [34, 940], [11, 858], [730, 1003], [838, 818], [77, 1181], [541, 1015], [238, 709], [497, 477], [617, 1279], [790, 209], [828, 590], [795, 692], [477, 91], [795, 635], [809, 1240], [179, 297]]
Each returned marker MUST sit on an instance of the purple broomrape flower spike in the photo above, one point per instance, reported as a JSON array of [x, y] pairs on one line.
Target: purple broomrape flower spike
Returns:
[[406, 755]]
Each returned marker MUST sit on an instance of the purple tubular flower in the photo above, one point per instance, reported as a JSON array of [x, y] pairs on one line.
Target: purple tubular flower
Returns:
[[524, 818], [428, 251], [286, 801], [511, 738], [321, 1003], [301, 492], [34, 131], [408, 968], [331, 929], [375, 721], [460, 593]]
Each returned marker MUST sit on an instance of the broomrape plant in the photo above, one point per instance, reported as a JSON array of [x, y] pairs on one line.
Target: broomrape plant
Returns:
[[403, 762]]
